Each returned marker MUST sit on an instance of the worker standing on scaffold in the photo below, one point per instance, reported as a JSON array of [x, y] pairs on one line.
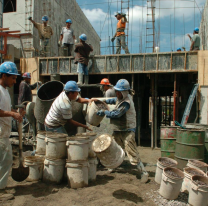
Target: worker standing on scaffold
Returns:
[[45, 32], [120, 34]]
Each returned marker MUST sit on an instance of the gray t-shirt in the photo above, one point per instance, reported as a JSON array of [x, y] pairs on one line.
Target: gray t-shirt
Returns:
[[196, 39], [67, 35], [110, 93]]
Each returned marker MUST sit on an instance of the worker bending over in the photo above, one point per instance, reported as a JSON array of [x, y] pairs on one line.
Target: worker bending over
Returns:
[[45, 32], [195, 40], [120, 34], [123, 118], [25, 93], [82, 50], [107, 88], [8, 76], [61, 110], [67, 38]]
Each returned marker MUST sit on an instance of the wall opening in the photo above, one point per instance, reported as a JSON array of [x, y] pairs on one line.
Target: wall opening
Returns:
[[10, 6]]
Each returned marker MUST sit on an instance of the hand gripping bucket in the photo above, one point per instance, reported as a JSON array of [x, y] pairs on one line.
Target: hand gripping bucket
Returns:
[[198, 194], [170, 186], [162, 163], [188, 174]]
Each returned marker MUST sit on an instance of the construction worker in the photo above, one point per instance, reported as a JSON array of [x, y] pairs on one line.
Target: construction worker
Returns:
[[178, 49], [45, 32], [8, 76], [67, 38], [25, 93], [123, 118], [61, 110], [82, 50], [195, 40], [120, 34], [108, 89]]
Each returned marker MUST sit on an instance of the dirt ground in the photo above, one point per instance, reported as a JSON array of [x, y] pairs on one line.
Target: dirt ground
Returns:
[[122, 187]]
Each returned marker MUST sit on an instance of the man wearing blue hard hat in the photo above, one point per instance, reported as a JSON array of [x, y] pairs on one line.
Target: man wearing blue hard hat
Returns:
[[8, 76], [179, 49], [123, 119], [82, 50], [61, 110], [67, 38], [45, 32], [195, 40]]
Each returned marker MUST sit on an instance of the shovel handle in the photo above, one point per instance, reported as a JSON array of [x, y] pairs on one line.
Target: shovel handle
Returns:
[[20, 135]]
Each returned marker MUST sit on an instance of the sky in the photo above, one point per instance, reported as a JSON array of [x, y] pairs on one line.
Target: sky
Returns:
[[174, 19]]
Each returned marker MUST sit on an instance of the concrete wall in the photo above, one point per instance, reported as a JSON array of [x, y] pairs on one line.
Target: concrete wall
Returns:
[[203, 32], [58, 11]]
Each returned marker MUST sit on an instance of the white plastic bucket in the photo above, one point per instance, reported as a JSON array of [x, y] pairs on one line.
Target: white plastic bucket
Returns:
[[91, 116], [56, 146], [111, 155], [187, 178], [41, 144], [35, 165], [77, 174], [198, 194], [197, 164], [161, 166], [53, 170], [92, 169], [91, 136], [170, 185], [77, 148]]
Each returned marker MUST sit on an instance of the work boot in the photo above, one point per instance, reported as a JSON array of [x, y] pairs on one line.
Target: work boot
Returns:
[[144, 173], [86, 79], [80, 79]]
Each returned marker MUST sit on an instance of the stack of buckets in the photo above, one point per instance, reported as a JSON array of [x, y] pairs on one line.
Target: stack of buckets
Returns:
[[81, 161], [173, 180]]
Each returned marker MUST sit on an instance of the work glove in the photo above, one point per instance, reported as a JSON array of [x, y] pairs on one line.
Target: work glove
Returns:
[[113, 39], [59, 43], [29, 18], [101, 113]]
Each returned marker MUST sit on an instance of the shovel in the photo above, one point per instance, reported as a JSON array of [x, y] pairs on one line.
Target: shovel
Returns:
[[21, 173]]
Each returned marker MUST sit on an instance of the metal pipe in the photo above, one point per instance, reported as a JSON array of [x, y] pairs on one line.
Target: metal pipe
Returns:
[[152, 112], [155, 110], [174, 101]]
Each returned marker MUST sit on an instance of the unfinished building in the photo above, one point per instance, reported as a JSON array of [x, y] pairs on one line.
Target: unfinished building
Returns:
[[16, 15]]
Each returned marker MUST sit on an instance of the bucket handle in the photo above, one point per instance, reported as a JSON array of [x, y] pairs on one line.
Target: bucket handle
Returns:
[[166, 179]]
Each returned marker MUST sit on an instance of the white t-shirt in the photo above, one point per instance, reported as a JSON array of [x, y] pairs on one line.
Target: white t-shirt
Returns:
[[67, 35], [5, 105], [60, 111]]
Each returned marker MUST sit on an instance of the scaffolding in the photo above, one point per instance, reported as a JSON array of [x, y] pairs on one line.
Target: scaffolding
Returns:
[[28, 41], [125, 9], [150, 25]]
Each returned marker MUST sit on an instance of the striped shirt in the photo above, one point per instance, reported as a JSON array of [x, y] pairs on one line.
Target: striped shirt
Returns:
[[60, 111]]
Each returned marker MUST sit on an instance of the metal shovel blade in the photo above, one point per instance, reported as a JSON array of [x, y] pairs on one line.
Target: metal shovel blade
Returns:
[[20, 174]]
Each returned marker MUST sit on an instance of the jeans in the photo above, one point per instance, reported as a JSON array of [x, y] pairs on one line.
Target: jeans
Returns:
[[67, 49], [45, 47], [82, 68], [120, 42], [59, 129]]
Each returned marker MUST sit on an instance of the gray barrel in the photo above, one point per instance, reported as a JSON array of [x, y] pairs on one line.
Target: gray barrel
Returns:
[[45, 97]]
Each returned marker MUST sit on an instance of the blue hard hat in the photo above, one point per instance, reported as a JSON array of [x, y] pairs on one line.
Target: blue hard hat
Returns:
[[122, 85], [196, 29], [71, 86], [118, 12], [8, 68], [69, 21], [83, 37], [179, 49], [26, 75], [45, 18]]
